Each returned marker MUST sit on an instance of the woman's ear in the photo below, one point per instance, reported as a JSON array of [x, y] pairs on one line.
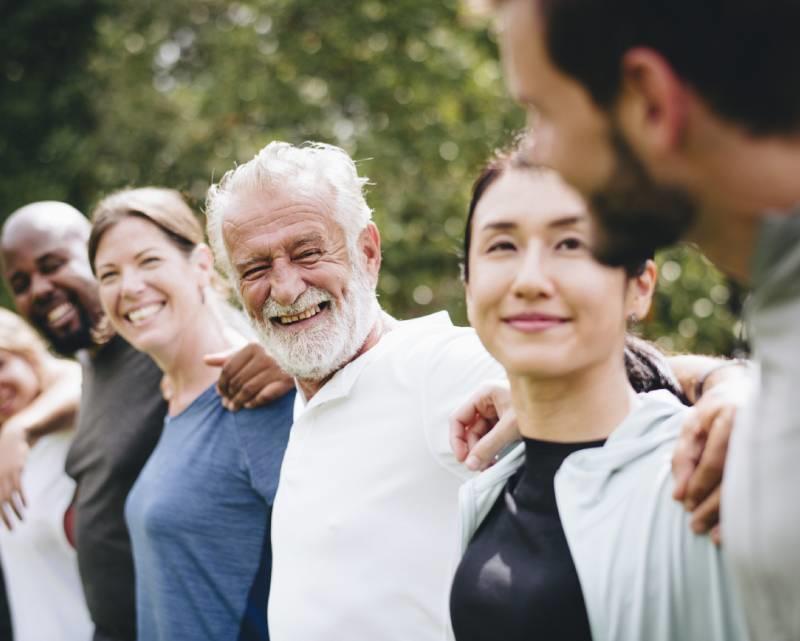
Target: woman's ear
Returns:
[[640, 291], [202, 260]]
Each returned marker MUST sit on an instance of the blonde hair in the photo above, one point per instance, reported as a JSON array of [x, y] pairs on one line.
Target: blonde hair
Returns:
[[19, 338]]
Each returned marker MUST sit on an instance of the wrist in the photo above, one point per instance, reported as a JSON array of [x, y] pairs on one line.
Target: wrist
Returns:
[[715, 375]]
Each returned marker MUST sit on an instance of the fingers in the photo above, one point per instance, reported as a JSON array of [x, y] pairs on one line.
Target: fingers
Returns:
[[250, 378], [706, 515], [232, 363], [716, 535], [483, 453], [465, 429], [16, 506], [687, 453], [13, 507], [269, 393], [218, 359], [708, 475]]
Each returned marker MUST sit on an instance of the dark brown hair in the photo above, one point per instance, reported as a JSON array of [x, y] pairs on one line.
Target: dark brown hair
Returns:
[[738, 55], [645, 365]]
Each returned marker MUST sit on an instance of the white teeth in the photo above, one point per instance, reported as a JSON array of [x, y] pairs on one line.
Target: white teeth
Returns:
[[138, 316], [58, 312], [311, 311]]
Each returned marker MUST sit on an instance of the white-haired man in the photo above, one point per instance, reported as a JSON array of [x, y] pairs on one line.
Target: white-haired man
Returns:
[[365, 521]]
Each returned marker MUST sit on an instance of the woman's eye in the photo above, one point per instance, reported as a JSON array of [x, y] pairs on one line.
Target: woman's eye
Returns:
[[570, 244], [151, 260], [500, 245], [107, 277]]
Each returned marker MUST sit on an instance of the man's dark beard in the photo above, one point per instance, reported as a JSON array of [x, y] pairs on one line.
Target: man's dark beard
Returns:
[[68, 344], [635, 215]]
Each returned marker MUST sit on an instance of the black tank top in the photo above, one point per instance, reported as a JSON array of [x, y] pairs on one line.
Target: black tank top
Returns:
[[517, 580]]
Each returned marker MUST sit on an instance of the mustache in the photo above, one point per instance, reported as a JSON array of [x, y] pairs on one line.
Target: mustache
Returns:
[[312, 296]]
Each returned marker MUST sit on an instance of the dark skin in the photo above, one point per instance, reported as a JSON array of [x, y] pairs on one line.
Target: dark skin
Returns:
[[46, 266]]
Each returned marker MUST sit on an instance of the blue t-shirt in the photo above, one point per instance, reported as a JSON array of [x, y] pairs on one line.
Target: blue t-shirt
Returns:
[[199, 520]]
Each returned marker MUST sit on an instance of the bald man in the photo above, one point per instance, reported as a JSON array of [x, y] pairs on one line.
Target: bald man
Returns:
[[46, 266]]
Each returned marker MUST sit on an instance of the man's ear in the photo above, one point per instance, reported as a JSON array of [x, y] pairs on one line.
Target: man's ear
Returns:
[[640, 291], [653, 105], [369, 241]]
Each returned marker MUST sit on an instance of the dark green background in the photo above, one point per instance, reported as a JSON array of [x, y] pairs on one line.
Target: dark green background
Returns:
[[99, 95]]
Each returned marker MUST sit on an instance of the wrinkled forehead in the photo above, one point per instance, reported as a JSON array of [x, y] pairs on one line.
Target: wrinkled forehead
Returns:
[[278, 213]]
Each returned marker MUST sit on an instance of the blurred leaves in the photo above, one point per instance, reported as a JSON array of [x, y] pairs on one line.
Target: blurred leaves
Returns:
[[99, 95]]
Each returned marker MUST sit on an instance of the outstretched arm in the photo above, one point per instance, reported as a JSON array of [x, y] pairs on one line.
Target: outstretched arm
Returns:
[[54, 409]]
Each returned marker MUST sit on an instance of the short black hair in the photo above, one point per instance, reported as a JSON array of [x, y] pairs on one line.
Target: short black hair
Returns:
[[740, 56]]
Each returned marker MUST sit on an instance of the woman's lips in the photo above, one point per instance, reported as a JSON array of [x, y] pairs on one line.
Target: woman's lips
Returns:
[[535, 322]]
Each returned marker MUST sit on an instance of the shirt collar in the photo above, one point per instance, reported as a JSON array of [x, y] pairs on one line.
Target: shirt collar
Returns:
[[342, 382]]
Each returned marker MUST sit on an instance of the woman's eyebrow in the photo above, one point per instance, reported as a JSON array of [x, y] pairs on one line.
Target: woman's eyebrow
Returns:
[[568, 221], [499, 225]]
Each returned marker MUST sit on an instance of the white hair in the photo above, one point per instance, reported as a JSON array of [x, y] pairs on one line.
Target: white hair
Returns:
[[283, 167]]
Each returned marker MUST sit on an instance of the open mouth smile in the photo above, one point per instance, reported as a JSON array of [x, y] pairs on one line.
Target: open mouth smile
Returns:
[[307, 313], [61, 311], [142, 314]]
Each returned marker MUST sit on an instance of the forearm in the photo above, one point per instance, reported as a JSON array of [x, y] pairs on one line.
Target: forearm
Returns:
[[55, 408], [696, 373]]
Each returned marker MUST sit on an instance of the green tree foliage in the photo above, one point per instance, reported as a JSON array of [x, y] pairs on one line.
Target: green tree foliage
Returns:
[[175, 93]]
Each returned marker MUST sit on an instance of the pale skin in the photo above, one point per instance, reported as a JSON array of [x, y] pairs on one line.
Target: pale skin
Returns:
[[474, 440], [132, 276], [281, 245], [732, 176], [548, 312]]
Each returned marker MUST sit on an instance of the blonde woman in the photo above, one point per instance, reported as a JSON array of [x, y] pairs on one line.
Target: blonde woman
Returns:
[[44, 589], [199, 513]]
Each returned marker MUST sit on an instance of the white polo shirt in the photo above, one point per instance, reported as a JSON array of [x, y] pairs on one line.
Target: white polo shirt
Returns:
[[365, 523]]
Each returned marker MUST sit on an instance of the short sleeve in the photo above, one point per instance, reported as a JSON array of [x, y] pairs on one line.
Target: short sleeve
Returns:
[[454, 368], [263, 434]]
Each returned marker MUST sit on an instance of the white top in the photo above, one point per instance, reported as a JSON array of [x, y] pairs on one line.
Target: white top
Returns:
[[643, 573], [40, 566], [365, 522]]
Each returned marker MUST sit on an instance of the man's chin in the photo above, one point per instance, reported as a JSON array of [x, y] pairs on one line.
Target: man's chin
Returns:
[[68, 343]]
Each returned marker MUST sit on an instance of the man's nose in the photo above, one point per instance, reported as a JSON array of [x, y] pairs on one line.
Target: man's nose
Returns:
[[41, 288], [287, 285]]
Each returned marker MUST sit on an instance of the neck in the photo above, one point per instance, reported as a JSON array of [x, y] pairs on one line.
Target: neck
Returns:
[[182, 362], [383, 324], [745, 178], [585, 406]]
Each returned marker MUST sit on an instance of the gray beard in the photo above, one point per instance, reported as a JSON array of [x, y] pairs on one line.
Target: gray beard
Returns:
[[317, 353]]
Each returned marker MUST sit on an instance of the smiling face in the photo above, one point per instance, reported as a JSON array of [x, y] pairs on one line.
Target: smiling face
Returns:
[[541, 304], [52, 284], [149, 288], [19, 384], [310, 296]]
